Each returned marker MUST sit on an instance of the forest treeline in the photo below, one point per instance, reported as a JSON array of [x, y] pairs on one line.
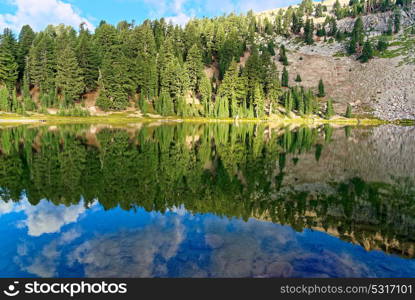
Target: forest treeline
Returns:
[[195, 70]]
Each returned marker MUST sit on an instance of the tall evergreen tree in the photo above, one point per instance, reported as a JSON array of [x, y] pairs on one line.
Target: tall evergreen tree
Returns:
[[42, 63], [349, 113], [390, 27], [69, 80], [118, 87], [283, 56], [174, 79], [284, 78], [332, 27], [321, 89], [288, 102], [397, 20], [222, 107], [87, 59], [147, 73], [4, 99], [165, 58], [8, 67], [297, 23], [357, 37], [367, 52], [194, 67], [205, 93], [8, 41], [309, 32], [26, 38], [259, 102], [105, 38], [329, 109]]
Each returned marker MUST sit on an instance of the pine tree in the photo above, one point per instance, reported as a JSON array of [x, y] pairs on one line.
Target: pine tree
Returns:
[[146, 61], [167, 105], [272, 87], [307, 6], [309, 102], [118, 87], [333, 27], [298, 78], [230, 79], [15, 104], [142, 104], [329, 110], [296, 23], [259, 102], [105, 38], [26, 38], [222, 107], [301, 104], [319, 10], [288, 102], [182, 107], [397, 20], [309, 32], [194, 67], [175, 79], [28, 103], [235, 87], [283, 56], [69, 80], [390, 27], [41, 64], [9, 42], [8, 67], [88, 60], [321, 89], [284, 78], [205, 93], [367, 52], [226, 56], [337, 9], [165, 64], [271, 48], [349, 113], [357, 38], [4, 99], [255, 70]]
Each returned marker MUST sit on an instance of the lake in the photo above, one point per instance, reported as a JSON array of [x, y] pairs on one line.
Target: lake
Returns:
[[207, 200]]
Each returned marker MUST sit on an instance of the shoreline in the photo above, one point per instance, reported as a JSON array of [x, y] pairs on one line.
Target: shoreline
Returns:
[[123, 119]]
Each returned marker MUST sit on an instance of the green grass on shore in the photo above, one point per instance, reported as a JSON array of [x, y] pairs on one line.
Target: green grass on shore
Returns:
[[123, 118]]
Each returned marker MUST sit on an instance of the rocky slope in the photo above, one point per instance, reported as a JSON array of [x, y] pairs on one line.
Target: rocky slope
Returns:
[[384, 87]]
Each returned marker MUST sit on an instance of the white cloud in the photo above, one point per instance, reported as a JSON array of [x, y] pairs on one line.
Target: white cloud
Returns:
[[46, 263], [48, 218], [45, 217], [40, 13], [180, 19], [7, 207], [132, 253], [173, 11]]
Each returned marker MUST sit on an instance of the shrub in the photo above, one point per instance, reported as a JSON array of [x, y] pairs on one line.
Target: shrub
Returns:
[[103, 102], [382, 45]]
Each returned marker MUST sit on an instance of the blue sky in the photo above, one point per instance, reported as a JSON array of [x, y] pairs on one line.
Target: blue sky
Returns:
[[39, 13]]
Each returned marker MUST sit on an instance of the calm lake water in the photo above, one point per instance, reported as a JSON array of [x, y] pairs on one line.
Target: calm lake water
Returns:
[[215, 200]]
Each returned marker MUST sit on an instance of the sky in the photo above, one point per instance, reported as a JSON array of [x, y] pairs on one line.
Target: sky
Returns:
[[40, 13]]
